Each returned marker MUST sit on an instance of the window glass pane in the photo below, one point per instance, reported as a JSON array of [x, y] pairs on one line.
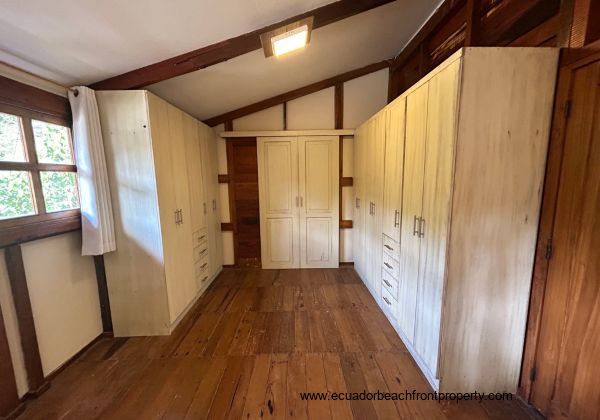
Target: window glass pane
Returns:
[[60, 191], [15, 194], [11, 139], [52, 143]]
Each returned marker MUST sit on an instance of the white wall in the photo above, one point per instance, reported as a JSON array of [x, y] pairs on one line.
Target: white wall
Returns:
[[363, 97], [64, 301]]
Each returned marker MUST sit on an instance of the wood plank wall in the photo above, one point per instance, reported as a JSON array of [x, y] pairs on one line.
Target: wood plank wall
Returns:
[[459, 23]]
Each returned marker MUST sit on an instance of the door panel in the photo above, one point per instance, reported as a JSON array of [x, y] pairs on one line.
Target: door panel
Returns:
[[279, 202], [437, 190], [360, 202], [318, 159], [318, 240], [194, 172], [394, 164], [567, 382], [412, 200]]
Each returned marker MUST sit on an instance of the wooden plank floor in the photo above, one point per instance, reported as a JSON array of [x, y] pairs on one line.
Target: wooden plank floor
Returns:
[[251, 344]]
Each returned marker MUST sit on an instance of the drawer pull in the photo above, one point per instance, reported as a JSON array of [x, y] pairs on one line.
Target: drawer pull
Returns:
[[386, 282], [202, 237], [388, 266], [203, 266], [204, 279], [387, 301], [388, 247]]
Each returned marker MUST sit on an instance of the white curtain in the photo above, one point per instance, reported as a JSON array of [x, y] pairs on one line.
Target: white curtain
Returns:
[[97, 226]]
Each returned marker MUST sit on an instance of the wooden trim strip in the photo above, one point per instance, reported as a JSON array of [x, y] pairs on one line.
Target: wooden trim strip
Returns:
[[105, 313], [223, 179], [296, 93], [346, 181], [41, 226], [231, 48], [251, 135], [345, 224], [226, 227], [34, 166], [29, 343], [9, 397]]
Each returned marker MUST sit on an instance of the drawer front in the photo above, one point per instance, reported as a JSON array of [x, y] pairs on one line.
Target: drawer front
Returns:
[[200, 237], [389, 283], [389, 302], [391, 247], [390, 265], [200, 252], [201, 267]]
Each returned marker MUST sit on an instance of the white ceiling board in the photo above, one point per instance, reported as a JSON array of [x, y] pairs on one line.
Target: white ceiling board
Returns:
[[334, 49], [83, 41]]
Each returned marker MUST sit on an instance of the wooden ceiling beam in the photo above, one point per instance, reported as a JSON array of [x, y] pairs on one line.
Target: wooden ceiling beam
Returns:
[[231, 48], [296, 93]]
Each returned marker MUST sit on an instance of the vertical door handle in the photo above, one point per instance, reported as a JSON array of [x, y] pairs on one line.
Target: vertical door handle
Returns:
[[356, 200], [373, 209], [422, 228], [204, 206], [180, 216], [415, 228], [396, 221], [176, 217], [214, 204], [297, 201], [301, 201]]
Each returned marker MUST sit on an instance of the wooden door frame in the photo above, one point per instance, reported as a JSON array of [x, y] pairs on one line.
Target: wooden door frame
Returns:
[[570, 60]]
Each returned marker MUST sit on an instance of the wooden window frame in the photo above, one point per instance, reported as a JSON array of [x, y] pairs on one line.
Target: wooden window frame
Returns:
[[42, 224]]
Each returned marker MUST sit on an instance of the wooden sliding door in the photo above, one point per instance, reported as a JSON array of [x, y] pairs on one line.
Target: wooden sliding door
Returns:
[[564, 375]]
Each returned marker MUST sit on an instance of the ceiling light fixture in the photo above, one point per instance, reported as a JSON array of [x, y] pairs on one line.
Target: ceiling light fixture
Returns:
[[288, 38]]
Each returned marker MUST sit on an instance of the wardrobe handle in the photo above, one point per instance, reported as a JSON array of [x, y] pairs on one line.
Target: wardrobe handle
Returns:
[[180, 216], [357, 200], [176, 217], [396, 221], [387, 301], [415, 228], [388, 266], [386, 282], [301, 201], [388, 247], [373, 209], [204, 206], [422, 228], [214, 204]]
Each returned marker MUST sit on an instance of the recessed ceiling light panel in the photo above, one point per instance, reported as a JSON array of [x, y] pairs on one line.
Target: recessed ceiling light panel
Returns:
[[288, 38]]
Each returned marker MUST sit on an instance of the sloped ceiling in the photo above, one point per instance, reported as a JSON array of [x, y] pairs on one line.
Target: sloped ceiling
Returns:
[[77, 42], [83, 41], [334, 49]]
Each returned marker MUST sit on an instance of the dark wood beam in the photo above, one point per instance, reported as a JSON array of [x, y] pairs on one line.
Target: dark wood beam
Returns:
[[296, 93], [345, 224], [339, 105], [346, 181], [473, 21], [10, 405], [27, 333], [223, 178], [444, 11], [105, 313], [231, 48], [227, 227]]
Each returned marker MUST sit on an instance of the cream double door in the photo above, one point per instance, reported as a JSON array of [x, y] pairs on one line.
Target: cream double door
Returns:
[[299, 201]]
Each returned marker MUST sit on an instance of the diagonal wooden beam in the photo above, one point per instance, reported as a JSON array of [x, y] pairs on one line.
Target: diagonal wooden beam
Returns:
[[231, 48], [296, 93]]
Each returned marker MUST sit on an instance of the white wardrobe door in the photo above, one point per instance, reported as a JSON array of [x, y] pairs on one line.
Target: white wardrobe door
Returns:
[[279, 201], [319, 201]]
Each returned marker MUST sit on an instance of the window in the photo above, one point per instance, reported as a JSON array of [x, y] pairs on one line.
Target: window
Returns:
[[37, 169]]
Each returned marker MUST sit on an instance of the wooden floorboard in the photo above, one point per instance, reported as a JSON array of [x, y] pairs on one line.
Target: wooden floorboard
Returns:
[[252, 343]]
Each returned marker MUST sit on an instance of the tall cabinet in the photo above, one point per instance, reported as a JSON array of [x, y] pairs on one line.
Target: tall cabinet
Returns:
[[163, 186], [465, 152], [299, 201]]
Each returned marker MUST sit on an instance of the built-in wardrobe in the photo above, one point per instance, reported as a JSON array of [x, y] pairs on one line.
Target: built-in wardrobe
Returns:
[[164, 188], [299, 201], [448, 181]]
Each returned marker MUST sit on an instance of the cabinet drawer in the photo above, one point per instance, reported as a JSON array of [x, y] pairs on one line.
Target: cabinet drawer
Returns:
[[391, 247], [389, 302], [200, 237], [389, 283], [201, 267], [390, 265], [200, 252]]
